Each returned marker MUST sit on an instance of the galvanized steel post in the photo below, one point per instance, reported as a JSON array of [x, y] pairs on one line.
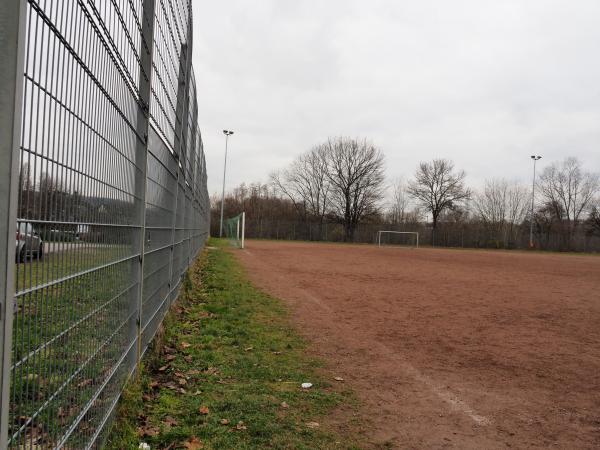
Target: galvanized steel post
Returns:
[[12, 31], [141, 155]]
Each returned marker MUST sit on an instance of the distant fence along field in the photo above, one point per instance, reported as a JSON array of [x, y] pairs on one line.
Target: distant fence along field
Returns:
[[466, 235]]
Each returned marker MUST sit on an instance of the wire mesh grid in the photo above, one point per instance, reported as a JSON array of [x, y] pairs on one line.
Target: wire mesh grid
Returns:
[[111, 207]]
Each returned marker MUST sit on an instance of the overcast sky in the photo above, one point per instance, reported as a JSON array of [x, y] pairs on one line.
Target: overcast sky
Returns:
[[484, 83]]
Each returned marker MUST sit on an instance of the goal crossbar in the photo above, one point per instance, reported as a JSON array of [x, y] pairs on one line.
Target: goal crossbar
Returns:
[[380, 232]]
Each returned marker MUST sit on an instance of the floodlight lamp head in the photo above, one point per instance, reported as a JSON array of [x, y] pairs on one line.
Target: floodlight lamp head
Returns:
[[227, 132]]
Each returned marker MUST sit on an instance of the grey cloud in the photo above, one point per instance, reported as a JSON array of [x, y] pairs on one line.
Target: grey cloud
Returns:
[[482, 82]]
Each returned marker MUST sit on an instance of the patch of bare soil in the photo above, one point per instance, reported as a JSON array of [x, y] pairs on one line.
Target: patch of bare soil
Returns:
[[450, 348]]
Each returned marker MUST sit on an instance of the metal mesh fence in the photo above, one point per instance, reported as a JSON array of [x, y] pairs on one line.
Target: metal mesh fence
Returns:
[[468, 234], [107, 199]]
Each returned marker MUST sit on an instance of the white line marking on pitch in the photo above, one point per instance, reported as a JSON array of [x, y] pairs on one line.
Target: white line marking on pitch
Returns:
[[460, 405], [443, 393]]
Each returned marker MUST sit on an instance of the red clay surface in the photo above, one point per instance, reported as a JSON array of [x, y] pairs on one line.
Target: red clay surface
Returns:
[[450, 348]]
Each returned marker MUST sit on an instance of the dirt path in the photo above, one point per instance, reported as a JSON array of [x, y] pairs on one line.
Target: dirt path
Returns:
[[450, 348]]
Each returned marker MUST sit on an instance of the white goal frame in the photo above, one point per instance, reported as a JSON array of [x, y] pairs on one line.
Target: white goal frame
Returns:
[[240, 232], [380, 232]]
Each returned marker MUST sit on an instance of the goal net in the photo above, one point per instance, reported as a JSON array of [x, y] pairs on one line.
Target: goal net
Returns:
[[398, 238], [235, 230]]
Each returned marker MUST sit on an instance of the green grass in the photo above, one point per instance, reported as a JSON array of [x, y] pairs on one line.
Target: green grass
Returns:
[[34, 272], [242, 362], [62, 328]]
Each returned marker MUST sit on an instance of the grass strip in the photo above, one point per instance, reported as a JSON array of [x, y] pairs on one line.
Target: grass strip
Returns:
[[227, 373]]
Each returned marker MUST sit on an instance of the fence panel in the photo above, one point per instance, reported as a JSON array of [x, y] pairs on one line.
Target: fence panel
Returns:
[[107, 200]]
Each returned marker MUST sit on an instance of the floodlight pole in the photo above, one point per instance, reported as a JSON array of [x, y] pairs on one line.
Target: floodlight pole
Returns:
[[535, 160], [227, 133]]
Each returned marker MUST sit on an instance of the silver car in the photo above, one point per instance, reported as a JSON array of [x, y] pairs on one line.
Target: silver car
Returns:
[[29, 243]]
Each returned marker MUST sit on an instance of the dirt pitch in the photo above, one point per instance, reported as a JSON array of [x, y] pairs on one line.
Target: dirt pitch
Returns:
[[450, 348]]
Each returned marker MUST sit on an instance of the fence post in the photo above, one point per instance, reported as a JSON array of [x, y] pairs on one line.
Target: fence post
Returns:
[[184, 133], [141, 157], [180, 128], [12, 32]]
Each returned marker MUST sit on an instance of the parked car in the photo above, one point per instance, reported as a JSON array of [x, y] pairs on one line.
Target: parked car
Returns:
[[29, 243]]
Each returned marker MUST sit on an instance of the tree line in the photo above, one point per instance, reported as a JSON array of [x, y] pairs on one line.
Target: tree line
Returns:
[[342, 182]]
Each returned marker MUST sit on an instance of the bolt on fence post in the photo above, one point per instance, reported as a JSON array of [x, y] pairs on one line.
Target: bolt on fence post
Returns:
[[12, 50], [141, 159]]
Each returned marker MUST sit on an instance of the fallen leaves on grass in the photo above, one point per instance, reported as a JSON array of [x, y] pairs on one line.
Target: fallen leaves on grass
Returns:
[[148, 430], [184, 364], [193, 444], [170, 421], [85, 383], [206, 314], [171, 386]]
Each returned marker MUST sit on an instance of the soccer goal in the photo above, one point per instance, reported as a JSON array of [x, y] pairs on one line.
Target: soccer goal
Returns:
[[398, 238], [235, 229]]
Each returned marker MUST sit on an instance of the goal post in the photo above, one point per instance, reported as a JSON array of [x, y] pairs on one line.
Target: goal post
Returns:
[[414, 235], [235, 230]]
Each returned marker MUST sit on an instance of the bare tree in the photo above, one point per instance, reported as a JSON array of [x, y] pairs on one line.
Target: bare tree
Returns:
[[26, 189], [502, 206], [594, 216], [548, 220], [398, 212], [438, 188], [570, 189], [355, 172], [518, 198], [306, 183], [490, 204], [52, 191]]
